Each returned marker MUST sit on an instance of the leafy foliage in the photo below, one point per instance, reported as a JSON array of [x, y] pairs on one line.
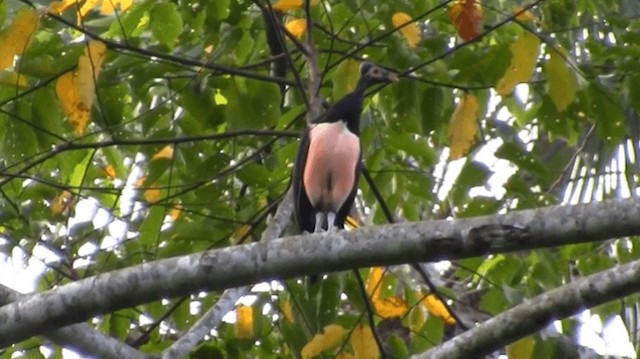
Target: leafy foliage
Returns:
[[135, 131]]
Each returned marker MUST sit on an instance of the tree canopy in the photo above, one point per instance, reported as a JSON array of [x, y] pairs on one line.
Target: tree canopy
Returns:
[[146, 150]]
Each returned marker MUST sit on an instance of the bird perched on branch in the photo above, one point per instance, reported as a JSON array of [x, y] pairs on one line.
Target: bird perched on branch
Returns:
[[328, 164]]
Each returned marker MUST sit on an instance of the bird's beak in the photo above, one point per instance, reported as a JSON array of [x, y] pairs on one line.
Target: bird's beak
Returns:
[[392, 77]]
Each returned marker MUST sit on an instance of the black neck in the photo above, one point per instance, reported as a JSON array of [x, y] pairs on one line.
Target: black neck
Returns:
[[348, 109]]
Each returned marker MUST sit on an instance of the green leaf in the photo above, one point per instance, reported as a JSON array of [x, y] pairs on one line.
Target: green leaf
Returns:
[[329, 300], [166, 23], [242, 48], [607, 113], [494, 301], [521, 349], [345, 78], [479, 206], [397, 347], [254, 174], [133, 22], [633, 84], [114, 100], [473, 174], [207, 350], [188, 232], [432, 333], [501, 269], [433, 102], [79, 170], [218, 10], [401, 107], [562, 82], [19, 138], [251, 103], [198, 101], [418, 148], [119, 323], [525, 161], [150, 227], [181, 316], [46, 117], [3, 12]]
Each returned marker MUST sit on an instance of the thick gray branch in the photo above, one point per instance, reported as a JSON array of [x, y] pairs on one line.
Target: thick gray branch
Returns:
[[229, 297], [315, 253], [537, 313], [81, 337]]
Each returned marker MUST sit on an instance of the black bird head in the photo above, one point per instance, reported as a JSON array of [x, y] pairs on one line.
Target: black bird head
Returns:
[[349, 107], [371, 74]]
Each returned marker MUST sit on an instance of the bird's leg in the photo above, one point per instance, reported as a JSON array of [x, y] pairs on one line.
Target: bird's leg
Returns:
[[331, 217], [319, 222]]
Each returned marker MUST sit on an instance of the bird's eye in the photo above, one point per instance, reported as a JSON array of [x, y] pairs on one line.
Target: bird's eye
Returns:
[[376, 71]]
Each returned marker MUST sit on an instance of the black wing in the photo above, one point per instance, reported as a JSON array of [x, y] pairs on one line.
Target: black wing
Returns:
[[302, 208], [343, 212]]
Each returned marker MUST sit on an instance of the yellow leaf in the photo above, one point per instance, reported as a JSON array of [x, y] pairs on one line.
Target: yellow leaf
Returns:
[[109, 6], [286, 5], [240, 232], [69, 98], [244, 322], [562, 83], [152, 195], [343, 355], [286, 311], [410, 32], [86, 7], [89, 66], [13, 79], [58, 7], [363, 343], [15, 39], [435, 307], [296, 27], [524, 51], [175, 212], [165, 153], [351, 223], [76, 90], [392, 307], [109, 171], [332, 336], [61, 203], [463, 127], [140, 181], [522, 349], [466, 16], [525, 15]]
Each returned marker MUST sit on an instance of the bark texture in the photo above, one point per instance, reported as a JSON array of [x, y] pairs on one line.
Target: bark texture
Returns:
[[315, 253]]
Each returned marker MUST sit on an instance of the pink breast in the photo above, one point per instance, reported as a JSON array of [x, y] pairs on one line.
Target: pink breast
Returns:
[[329, 172]]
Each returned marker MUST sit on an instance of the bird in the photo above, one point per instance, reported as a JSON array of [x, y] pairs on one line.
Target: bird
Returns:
[[329, 159]]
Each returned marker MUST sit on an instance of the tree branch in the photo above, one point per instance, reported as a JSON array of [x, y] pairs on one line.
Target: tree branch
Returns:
[[80, 337], [536, 313], [316, 253]]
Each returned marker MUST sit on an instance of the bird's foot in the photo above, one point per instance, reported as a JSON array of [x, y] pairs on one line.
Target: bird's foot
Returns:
[[331, 217], [319, 223]]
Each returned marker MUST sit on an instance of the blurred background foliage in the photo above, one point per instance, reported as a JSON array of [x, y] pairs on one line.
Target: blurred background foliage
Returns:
[[191, 131]]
